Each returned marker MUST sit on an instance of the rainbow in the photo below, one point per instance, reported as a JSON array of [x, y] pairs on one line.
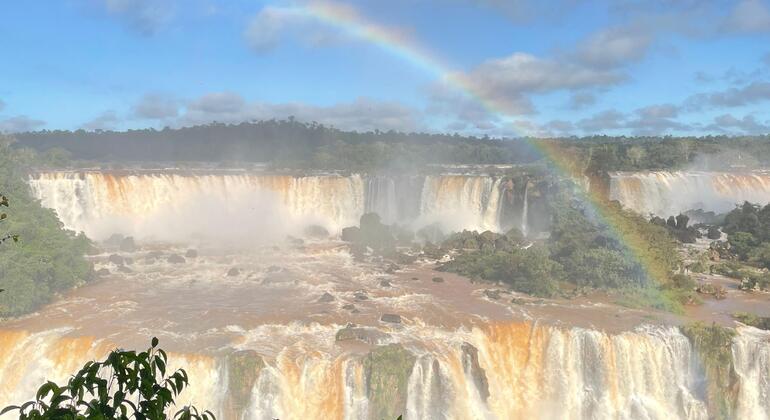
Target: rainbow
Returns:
[[348, 20]]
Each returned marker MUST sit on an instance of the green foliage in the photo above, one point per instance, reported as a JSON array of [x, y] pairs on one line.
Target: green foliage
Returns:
[[714, 347], [126, 385], [742, 243], [46, 259], [600, 267], [530, 270], [753, 320]]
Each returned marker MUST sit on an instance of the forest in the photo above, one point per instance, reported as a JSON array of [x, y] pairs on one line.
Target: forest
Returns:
[[293, 144]]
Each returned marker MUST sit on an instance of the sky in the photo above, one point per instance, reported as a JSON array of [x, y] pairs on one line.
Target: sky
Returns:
[[480, 67]]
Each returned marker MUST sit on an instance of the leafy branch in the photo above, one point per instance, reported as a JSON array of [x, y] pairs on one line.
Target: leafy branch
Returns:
[[126, 385]]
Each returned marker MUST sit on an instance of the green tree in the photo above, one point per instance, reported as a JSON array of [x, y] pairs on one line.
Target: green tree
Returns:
[[126, 385]]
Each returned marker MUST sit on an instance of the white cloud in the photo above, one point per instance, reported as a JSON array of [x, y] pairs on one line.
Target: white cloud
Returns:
[[156, 106], [749, 16], [748, 124], [104, 121], [20, 123], [616, 46], [143, 16]]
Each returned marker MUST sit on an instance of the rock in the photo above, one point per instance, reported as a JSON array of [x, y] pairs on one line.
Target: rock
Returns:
[[351, 234], [713, 233], [114, 240], [392, 268], [326, 297], [470, 359], [116, 259], [385, 283], [367, 335], [243, 368], [191, 253], [176, 259], [360, 295], [316, 231], [128, 260], [233, 272], [103, 272], [437, 279], [386, 371], [391, 318], [492, 294], [124, 269], [415, 278], [154, 254], [348, 307], [127, 244]]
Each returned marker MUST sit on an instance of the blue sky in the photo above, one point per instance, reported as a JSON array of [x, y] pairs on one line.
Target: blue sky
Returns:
[[558, 67]]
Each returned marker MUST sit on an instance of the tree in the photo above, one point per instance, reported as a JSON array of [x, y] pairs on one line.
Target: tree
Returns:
[[3, 216], [126, 385]]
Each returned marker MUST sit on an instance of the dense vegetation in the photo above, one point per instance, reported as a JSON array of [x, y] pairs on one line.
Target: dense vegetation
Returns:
[[46, 259], [748, 229], [294, 144], [126, 385]]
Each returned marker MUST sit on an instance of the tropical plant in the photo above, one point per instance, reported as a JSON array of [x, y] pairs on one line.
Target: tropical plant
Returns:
[[126, 385]]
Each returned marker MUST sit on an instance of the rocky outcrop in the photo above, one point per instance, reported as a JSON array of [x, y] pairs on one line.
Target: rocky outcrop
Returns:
[[233, 272], [326, 298], [391, 318], [387, 370], [472, 368], [243, 368], [116, 259], [176, 259], [371, 336]]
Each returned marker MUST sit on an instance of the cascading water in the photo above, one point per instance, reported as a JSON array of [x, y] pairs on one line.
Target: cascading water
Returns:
[[170, 206], [525, 211], [504, 371], [670, 193]]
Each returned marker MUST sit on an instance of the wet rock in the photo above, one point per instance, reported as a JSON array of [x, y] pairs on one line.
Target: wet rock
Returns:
[[371, 336], [124, 269], [385, 283], [391, 318], [492, 294], [326, 297], [387, 370], [154, 254], [114, 240], [349, 307], [233, 272], [415, 278], [243, 368], [103, 272], [351, 234], [116, 259], [471, 364], [360, 295], [191, 253], [127, 244], [437, 279], [128, 260], [316, 231], [176, 259]]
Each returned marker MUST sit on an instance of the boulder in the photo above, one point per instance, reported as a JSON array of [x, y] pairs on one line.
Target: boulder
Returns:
[[127, 244], [154, 254], [351, 234], [191, 253], [385, 283], [128, 260], [233, 272], [492, 294], [391, 318], [437, 279], [326, 297], [176, 259], [102, 272], [369, 336], [360, 295], [349, 307], [316, 231], [124, 269], [116, 259]]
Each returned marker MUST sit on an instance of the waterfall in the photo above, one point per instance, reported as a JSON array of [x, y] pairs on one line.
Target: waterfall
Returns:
[[460, 202], [751, 358], [670, 193], [500, 371], [178, 207]]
